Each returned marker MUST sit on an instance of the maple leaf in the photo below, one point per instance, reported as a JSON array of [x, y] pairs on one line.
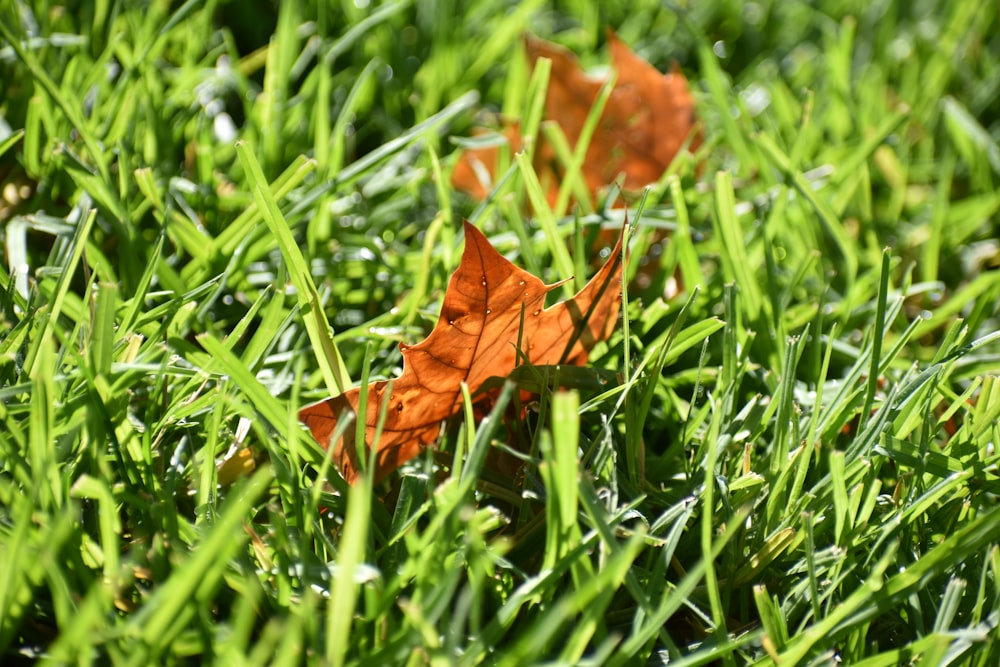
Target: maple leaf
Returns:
[[475, 338], [644, 124]]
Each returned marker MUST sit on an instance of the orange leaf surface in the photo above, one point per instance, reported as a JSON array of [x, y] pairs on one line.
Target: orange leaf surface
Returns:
[[475, 338], [646, 120]]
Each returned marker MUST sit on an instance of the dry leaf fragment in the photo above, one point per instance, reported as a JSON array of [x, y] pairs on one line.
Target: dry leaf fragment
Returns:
[[476, 168], [645, 122], [475, 338]]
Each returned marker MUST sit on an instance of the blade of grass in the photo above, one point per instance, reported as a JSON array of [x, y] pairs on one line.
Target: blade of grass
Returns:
[[350, 554], [320, 333], [77, 245]]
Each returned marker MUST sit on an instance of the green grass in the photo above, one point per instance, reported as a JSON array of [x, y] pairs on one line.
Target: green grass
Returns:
[[215, 214]]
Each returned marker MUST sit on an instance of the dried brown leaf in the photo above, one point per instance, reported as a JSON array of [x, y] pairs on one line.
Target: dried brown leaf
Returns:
[[475, 338], [645, 122]]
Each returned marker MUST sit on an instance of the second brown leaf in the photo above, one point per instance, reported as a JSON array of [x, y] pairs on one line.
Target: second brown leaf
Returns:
[[645, 123]]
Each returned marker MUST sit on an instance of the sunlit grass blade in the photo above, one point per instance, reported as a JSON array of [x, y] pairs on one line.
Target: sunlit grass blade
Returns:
[[344, 596], [320, 333]]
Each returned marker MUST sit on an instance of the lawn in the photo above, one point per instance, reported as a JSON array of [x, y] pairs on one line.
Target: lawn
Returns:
[[785, 453]]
